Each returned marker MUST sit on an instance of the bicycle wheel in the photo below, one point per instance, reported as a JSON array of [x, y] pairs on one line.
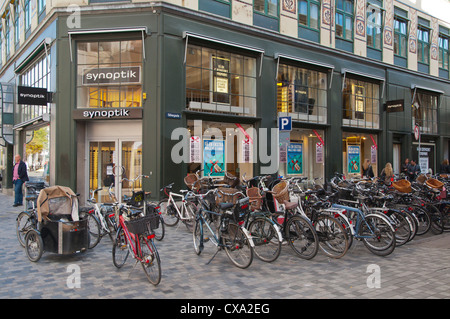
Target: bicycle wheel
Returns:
[[169, 213], [265, 237], [150, 260], [189, 216], [161, 230], [302, 237], [120, 249], [34, 246], [94, 229], [424, 220], [25, 222], [403, 227], [333, 239], [197, 235], [110, 222], [437, 220], [377, 235], [237, 246]]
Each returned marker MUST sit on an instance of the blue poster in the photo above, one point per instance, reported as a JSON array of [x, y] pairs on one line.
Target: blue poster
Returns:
[[295, 159], [353, 159], [214, 157]]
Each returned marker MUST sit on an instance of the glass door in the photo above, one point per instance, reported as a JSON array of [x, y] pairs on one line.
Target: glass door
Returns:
[[131, 160]]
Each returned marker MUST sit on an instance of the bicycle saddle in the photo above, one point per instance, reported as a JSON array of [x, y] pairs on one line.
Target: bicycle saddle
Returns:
[[290, 205], [224, 206]]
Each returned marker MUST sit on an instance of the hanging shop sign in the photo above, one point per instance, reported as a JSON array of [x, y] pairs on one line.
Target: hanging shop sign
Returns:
[[195, 149], [214, 157], [33, 96], [395, 106], [353, 159], [295, 159], [319, 153], [373, 154], [247, 150], [112, 76]]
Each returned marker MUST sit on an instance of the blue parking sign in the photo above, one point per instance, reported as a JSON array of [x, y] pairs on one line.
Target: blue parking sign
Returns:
[[285, 123]]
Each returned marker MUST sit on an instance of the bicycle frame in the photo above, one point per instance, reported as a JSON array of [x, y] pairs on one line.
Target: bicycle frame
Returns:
[[133, 240], [181, 213]]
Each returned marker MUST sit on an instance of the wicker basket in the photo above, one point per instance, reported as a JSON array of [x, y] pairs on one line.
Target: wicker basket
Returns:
[[280, 192], [255, 198], [421, 179], [231, 180], [224, 195], [403, 186], [144, 224], [190, 180], [434, 183]]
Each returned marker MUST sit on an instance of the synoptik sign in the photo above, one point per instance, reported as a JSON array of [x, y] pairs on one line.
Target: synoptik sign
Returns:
[[113, 75]]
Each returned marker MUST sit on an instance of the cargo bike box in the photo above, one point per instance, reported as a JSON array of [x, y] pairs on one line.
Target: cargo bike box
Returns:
[[59, 229]]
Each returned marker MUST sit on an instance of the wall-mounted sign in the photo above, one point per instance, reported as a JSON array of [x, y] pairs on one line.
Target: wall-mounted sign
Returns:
[[395, 106], [112, 76], [353, 159], [319, 153], [171, 115], [107, 114], [32, 96], [195, 150]]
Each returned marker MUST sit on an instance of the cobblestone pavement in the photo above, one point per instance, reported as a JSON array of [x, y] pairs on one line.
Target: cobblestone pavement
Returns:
[[419, 269]]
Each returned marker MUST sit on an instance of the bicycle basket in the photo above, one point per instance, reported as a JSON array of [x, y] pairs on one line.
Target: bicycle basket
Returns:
[[231, 180], [280, 192], [224, 195], [255, 198], [140, 225], [136, 199], [434, 183], [190, 180], [403, 186]]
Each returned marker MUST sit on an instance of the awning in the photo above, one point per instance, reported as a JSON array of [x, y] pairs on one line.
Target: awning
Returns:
[[143, 31], [187, 35], [43, 46], [415, 87], [279, 56], [362, 74]]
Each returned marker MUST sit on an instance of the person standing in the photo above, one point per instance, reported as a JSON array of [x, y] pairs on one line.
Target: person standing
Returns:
[[445, 167], [387, 174], [413, 170], [20, 176], [405, 166], [367, 170]]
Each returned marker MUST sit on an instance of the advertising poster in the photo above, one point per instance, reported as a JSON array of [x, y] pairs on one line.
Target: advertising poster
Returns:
[[194, 151], [295, 159], [319, 153], [353, 159], [214, 157]]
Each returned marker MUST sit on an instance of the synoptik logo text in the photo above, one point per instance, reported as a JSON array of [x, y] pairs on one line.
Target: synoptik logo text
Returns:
[[262, 144]]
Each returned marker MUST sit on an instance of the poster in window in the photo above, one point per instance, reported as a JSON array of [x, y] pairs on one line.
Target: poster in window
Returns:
[[194, 151], [214, 157], [295, 159], [319, 153], [358, 93], [353, 159], [221, 80]]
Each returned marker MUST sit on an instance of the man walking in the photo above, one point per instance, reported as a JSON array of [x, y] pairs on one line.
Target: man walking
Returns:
[[20, 176]]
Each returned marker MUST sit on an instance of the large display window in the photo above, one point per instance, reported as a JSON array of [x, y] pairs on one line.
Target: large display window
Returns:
[[356, 148]]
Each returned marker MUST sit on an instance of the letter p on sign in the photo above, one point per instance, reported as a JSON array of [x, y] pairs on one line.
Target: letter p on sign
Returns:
[[285, 123]]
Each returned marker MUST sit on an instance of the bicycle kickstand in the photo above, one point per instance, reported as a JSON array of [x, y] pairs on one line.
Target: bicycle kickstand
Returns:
[[218, 249]]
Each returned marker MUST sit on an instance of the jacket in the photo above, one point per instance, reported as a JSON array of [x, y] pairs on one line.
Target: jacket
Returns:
[[22, 171]]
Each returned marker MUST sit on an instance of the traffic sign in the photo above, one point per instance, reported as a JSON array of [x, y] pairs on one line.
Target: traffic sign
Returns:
[[285, 123]]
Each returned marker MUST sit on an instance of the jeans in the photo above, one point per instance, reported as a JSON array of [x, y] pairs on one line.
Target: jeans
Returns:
[[18, 195]]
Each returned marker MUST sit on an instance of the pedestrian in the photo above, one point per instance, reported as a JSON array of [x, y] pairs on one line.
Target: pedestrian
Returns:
[[404, 168], [413, 170], [20, 176], [387, 174], [445, 167], [367, 170]]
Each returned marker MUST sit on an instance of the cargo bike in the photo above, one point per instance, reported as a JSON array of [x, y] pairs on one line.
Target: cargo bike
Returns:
[[54, 225]]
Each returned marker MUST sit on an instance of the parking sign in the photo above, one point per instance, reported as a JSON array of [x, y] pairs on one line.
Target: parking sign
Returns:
[[285, 123]]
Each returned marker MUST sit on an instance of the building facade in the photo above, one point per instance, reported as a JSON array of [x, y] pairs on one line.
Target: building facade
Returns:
[[354, 77]]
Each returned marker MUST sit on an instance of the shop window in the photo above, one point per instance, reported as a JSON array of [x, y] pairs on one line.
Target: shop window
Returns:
[[425, 112], [357, 148], [109, 74], [37, 75], [302, 94], [361, 104], [220, 82]]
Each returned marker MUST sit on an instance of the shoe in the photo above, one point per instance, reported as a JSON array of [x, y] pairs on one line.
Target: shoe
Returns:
[[15, 205]]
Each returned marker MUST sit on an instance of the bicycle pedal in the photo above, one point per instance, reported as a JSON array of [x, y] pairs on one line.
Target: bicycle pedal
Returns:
[[206, 239]]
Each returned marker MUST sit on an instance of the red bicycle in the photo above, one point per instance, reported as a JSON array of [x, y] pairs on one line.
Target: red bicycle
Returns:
[[135, 235]]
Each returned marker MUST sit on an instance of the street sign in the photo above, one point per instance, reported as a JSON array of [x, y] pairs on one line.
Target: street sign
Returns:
[[416, 132], [285, 123]]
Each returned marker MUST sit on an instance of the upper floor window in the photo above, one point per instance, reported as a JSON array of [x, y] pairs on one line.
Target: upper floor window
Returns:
[[27, 14], [400, 36], [425, 111], [302, 94], [361, 104], [109, 74], [344, 19], [267, 7], [443, 52], [41, 6], [16, 23], [309, 13], [220, 82], [7, 34], [423, 44], [374, 26]]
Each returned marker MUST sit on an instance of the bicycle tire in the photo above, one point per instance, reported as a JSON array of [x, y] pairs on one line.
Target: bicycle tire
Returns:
[[24, 223], [237, 246], [333, 239], [151, 263], [378, 232], [436, 226], [190, 212], [424, 219], [197, 236], [403, 227], [120, 249], [34, 246], [93, 229], [170, 216], [265, 237], [302, 237], [160, 232]]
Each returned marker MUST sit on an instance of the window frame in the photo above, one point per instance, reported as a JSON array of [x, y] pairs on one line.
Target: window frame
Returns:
[[442, 38], [421, 44], [401, 35], [308, 15], [433, 124], [266, 9], [374, 25]]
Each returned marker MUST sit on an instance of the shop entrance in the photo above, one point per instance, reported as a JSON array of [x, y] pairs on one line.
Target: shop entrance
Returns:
[[105, 160], [37, 153]]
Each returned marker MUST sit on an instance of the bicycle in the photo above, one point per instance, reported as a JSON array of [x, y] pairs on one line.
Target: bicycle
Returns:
[[230, 236], [134, 235], [173, 212]]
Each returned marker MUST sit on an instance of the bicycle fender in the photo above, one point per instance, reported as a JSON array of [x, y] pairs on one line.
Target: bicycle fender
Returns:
[[250, 239], [383, 218], [277, 229]]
